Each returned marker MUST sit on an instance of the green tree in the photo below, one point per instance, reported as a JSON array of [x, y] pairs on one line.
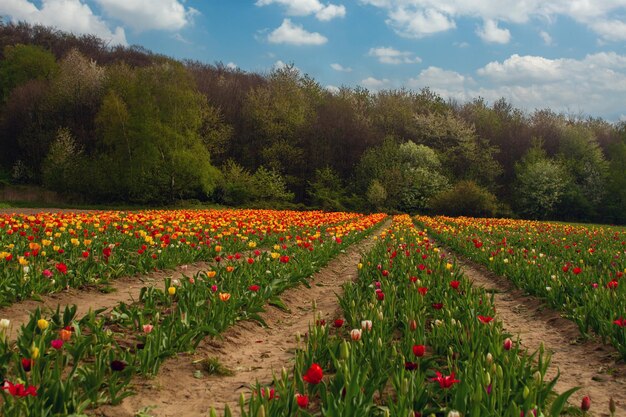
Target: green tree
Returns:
[[464, 155], [466, 198], [582, 157], [23, 63], [327, 190], [376, 195], [59, 167], [150, 123], [540, 185]]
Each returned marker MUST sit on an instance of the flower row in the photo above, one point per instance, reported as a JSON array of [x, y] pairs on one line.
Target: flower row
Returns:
[[414, 339], [577, 269]]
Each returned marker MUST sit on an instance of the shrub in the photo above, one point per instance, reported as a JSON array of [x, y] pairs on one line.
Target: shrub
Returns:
[[465, 198]]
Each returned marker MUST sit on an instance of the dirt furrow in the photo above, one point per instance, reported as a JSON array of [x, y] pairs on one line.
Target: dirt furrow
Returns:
[[251, 351], [594, 367], [123, 289]]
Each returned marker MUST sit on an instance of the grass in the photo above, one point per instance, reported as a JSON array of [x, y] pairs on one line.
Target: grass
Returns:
[[213, 366]]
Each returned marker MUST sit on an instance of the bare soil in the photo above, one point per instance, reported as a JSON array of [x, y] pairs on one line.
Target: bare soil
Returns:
[[591, 365], [124, 289], [251, 351]]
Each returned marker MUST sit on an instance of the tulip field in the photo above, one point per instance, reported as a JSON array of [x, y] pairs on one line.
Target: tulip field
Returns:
[[411, 335], [576, 269], [414, 339], [61, 364]]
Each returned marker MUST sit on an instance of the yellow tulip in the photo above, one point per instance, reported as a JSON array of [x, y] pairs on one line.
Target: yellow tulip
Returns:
[[42, 324], [171, 290]]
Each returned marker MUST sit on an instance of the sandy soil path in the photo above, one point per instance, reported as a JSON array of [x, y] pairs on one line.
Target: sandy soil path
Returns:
[[123, 289], [251, 351]]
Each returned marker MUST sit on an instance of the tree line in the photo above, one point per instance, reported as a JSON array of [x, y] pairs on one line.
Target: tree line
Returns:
[[122, 124]]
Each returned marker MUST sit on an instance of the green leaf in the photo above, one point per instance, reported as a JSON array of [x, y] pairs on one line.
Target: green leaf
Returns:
[[560, 401]]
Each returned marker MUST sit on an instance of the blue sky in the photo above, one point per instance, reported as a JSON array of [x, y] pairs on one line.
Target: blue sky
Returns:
[[568, 55]]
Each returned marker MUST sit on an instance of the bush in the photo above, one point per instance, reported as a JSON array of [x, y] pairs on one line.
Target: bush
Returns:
[[466, 198]]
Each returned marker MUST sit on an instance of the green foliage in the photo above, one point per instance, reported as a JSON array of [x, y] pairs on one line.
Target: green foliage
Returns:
[[615, 203], [149, 123], [59, 167], [327, 191], [466, 198], [23, 63], [235, 184], [269, 185], [465, 156], [410, 174], [541, 184], [583, 159], [376, 195]]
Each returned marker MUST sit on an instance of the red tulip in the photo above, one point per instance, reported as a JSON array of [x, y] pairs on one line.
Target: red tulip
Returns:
[[18, 390], [62, 268], [302, 400], [419, 350], [57, 344], [508, 344], [577, 270], [254, 288], [455, 284], [314, 374], [27, 364], [445, 381], [585, 405], [338, 323], [485, 319]]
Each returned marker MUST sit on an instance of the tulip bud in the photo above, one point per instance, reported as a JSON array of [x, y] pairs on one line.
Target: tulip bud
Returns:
[[405, 386], [585, 405], [499, 372], [242, 401], [454, 413], [526, 392], [284, 373], [380, 315], [344, 350], [261, 412], [212, 413], [508, 343], [489, 358], [412, 325], [487, 378], [537, 377], [612, 406]]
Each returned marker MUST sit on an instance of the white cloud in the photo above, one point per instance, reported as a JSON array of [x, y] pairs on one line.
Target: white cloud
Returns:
[[149, 14], [340, 68], [415, 23], [308, 7], [446, 83], [525, 69], [68, 15], [278, 65], [333, 89], [372, 83], [387, 55], [547, 39], [491, 33], [293, 34], [181, 38], [419, 18], [594, 85], [232, 66]]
